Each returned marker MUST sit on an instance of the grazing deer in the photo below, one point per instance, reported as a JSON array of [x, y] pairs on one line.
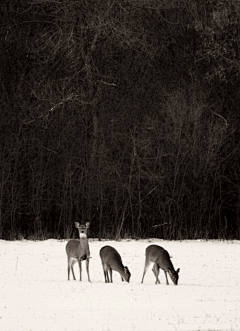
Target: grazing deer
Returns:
[[161, 259], [111, 260], [78, 251]]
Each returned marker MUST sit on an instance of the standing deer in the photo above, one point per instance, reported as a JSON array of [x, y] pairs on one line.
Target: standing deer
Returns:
[[78, 251], [161, 259], [111, 260]]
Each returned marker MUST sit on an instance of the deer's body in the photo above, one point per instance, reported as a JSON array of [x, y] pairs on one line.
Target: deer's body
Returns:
[[78, 250], [111, 260], [160, 259]]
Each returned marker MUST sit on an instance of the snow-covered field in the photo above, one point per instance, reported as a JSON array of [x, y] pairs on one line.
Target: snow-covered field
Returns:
[[35, 294]]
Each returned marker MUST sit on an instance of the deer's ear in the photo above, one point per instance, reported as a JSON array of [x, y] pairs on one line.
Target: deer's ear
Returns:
[[87, 224], [77, 224], [178, 270]]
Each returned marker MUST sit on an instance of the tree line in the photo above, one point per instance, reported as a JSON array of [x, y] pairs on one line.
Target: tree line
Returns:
[[124, 113]]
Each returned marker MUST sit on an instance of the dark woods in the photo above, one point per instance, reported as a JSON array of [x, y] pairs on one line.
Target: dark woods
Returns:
[[124, 113]]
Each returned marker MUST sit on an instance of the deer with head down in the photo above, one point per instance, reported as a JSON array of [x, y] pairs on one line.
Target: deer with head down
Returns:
[[160, 259], [111, 260]]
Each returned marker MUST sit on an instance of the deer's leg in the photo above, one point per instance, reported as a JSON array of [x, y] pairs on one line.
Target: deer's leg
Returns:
[[147, 264], [166, 277], [87, 267], [80, 268], [107, 276], [105, 271], [110, 272], [156, 270], [69, 267], [72, 265]]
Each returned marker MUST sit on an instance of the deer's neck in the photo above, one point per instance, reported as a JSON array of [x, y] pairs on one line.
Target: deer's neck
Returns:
[[83, 236]]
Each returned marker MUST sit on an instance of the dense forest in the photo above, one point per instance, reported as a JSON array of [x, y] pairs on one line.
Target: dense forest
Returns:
[[123, 113]]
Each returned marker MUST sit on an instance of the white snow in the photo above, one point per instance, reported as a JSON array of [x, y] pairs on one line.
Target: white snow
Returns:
[[35, 294]]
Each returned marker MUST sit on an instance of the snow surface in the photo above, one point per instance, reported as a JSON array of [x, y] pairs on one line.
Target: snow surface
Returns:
[[35, 294]]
